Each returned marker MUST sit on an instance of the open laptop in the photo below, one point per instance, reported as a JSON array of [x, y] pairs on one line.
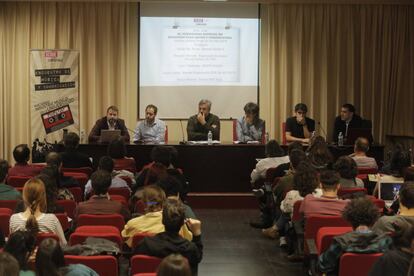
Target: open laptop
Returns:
[[355, 133], [388, 191], [109, 135]]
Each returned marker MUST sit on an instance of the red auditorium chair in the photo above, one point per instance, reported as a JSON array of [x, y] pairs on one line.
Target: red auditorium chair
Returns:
[[146, 274], [325, 236], [127, 180], [120, 199], [17, 181], [86, 170], [105, 232], [284, 141], [116, 220], [77, 193], [10, 204], [42, 236], [357, 264], [63, 219], [364, 172], [296, 216], [69, 206], [144, 264], [137, 238], [379, 203], [103, 265], [5, 214], [82, 178], [120, 191], [349, 191]]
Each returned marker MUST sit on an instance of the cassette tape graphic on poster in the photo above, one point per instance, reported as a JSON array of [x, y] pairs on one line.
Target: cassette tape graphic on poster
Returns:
[[54, 88]]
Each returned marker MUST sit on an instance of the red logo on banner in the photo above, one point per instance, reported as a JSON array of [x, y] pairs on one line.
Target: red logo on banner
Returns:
[[51, 54], [57, 119]]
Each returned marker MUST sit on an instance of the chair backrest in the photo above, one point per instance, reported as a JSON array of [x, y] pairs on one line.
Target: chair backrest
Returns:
[[82, 178], [137, 238], [357, 264], [362, 170], [314, 223], [146, 274], [42, 236], [234, 130], [6, 211], [264, 134], [120, 199], [80, 237], [124, 192], [296, 216], [127, 179], [86, 170], [69, 206], [17, 181], [166, 135], [284, 141], [5, 223], [10, 204], [325, 236], [379, 203], [103, 265], [63, 219], [77, 193], [144, 264], [113, 220], [348, 191]]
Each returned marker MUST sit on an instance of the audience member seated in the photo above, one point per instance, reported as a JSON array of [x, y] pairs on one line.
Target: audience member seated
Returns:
[[319, 154], [409, 174], [50, 261], [361, 148], [71, 157], [174, 264], [21, 245], [52, 172], [169, 242], [7, 192], [10, 267], [347, 169], [107, 164], [396, 262], [51, 194], [21, 155], [405, 217], [34, 218], [275, 156], [361, 213], [328, 204], [299, 127], [53, 159], [250, 127], [100, 203], [153, 198], [151, 175], [117, 151], [399, 161], [283, 168]]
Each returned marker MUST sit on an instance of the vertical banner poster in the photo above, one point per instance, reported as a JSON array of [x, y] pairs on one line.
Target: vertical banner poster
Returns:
[[54, 93]]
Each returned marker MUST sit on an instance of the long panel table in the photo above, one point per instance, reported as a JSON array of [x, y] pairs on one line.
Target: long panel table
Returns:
[[223, 168]]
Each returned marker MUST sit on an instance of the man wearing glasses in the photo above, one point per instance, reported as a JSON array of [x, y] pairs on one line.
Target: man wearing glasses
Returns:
[[299, 127]]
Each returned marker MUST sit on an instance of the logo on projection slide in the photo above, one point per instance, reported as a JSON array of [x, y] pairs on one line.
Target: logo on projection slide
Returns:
[[57, 119], [51, 54]]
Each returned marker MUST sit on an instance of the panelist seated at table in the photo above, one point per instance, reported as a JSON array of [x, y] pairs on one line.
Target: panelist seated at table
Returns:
[[345, 121], [150, 130], [250, 127], [200, 124], [111, 122], [299, 127]]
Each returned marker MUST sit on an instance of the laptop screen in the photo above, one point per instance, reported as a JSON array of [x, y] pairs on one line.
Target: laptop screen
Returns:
[[389, 191]]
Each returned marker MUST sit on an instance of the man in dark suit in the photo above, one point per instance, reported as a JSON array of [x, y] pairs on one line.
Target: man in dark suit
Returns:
[[347, 120], [71, 157], [110, 121]]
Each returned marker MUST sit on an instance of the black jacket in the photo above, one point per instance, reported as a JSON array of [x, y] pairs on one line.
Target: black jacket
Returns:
[[340, 126], [102, 123], [164, 244]]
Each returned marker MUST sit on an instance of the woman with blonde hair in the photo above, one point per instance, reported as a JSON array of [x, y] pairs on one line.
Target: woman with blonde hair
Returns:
[[34, 219], [151, 222]]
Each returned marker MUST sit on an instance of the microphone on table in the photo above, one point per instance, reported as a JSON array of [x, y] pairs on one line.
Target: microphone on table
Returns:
[[183, 141], [322, 129]]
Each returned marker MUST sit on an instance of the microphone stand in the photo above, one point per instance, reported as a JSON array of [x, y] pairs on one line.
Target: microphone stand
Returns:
[[183, 141]]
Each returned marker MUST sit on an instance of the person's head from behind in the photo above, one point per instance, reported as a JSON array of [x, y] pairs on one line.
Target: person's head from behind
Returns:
[[49, 258], [204, 107], [171, 186], [54, 159], [319, 153], [347, 111], [112, 113], [174, 265], [155, 173], [71, 141], [161, 154], [273, 149], [117, 149], [403, 235], [296, 157], [52, 172], [251, 112], [34, 198], [21, 245], [329, 181], [173, 215], [407, 196], [346, 167], [400, 161], [408, 174], [51, 191], [361, 145], [10, 267], [150, 113], [106, 164], [300, 110], [153, 198], [361, 212], [4, 169], [101, 181], [305, 180], [295, 145], [21, 154]]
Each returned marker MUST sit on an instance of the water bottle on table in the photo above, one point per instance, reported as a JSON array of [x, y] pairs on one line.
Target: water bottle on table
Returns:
[[340, 139], [210, 138]]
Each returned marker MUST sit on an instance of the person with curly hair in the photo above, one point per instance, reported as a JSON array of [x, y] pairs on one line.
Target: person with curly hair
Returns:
[[361, 213]]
